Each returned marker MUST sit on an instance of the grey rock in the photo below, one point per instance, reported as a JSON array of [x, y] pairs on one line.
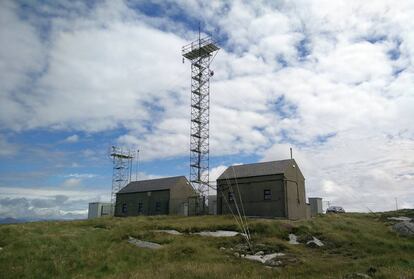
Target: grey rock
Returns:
[[314, 242], [357, 275], [173, 232], [401, 218], [144, 244], [293, 239], [219, 233], [404, 228], [273, 262], [264, 258]]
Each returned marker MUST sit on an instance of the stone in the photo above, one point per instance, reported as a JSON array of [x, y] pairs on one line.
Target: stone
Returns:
[[173, 232], [260, 253], [293, 239], [314, 242], [144, 244], [274, 263], [264, 258], [219, 233], [401, 218], [357, 275], [236, 254], [222, 248], [404, 228]]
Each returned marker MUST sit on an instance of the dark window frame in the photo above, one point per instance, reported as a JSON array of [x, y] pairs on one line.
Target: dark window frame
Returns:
[[158, 206], [124, 208], [140, 207], [230, 196], [267, 194]]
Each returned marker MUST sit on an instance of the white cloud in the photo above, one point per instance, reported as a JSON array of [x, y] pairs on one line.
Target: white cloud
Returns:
[[21, 55], [216, 172], [52, 203], [72, 182], [81, 175], [97, 77], [72, 139], [7, 148]]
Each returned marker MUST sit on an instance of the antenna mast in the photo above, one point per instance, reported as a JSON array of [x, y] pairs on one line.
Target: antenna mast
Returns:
[[122, 167], [200, 53]]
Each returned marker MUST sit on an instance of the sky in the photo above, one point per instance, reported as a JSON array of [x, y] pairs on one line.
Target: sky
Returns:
[[334, 80]]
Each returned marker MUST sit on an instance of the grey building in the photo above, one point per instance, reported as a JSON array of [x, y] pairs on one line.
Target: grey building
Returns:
[[99, 209], [169, 195], [268, 189], [315, 206], [212, 205]]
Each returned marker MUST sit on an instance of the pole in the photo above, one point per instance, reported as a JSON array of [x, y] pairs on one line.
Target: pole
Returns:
[[136, 167], [396, 204], [291, 154], [130, 166]]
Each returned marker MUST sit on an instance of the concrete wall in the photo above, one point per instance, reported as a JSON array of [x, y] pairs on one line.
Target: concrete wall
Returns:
[[295, 189], [308, 211], [212, 205], [296, 202], [179, 197], [148, 201], [177, 200], [99, 209], [288, 195], [93, 211], [316, 206], [252, 194]]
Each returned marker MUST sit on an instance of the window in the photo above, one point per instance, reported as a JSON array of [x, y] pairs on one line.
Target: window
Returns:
[[124, 208], [267, 195], [231, 196], [140, 208], [158, 206]]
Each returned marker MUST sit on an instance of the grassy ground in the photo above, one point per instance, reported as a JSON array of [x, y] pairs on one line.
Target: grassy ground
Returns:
[[99, 248]]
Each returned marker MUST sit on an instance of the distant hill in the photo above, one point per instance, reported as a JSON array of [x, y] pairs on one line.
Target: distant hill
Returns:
[[10, 220], [354, 244]]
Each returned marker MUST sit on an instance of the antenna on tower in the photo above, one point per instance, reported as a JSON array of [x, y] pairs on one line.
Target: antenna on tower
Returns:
[[122, 167], [136, 169], [200, 53]]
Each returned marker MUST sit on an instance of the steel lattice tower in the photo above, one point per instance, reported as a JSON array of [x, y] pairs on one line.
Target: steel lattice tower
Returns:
[[200, 53], [122, 167]]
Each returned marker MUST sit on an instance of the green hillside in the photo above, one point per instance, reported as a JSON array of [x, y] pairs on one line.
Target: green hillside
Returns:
[[354, 243]]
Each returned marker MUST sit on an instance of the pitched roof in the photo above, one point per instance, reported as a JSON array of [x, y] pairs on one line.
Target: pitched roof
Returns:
[[164, 183], [257, 169]]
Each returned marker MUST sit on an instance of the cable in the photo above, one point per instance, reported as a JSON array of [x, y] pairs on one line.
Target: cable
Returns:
[[241, 202]]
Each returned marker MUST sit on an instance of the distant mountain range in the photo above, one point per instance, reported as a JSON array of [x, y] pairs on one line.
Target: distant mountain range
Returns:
[[9, 220]]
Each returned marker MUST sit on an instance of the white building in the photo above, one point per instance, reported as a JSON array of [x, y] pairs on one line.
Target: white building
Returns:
[[99, 209]]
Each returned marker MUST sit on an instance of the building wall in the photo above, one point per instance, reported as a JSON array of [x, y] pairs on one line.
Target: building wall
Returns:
[[316, 206], [179, 197], [212, 205], [148, 201], [295, 189], [94, 210], [252, 194], [99, 209], [296, 202]]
